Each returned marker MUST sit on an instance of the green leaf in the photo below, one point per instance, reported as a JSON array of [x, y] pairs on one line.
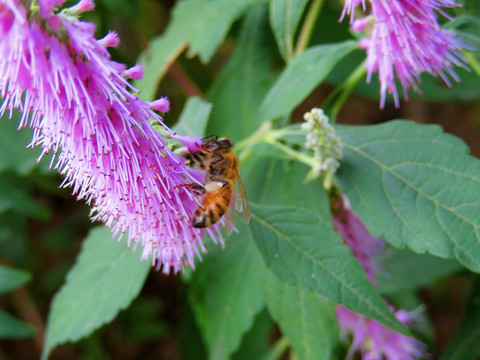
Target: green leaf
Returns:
[[403, 270], [105, 279], [194, 117], [414, 186], [14, 143], [244, 81], [257, 340], [210, 22], [301, 76], [300, 249], [13, 237], [306, 319], [11, 279], [12, 328], [15, 194], [226, 293], [284, 18], [282, 183], [157, 58], [465, 344], [190, 338], [202, 24]]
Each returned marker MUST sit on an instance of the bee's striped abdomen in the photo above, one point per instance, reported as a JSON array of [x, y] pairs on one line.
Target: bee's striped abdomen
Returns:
[[214, 206]]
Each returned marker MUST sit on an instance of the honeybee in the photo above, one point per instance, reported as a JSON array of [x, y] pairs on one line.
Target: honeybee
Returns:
[[221, 180]]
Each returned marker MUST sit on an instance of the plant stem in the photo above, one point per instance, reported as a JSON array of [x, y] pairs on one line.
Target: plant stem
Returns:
[[295, 155], [31, 315], [258, 136], [277, 350], [308, 26], [341, 93]]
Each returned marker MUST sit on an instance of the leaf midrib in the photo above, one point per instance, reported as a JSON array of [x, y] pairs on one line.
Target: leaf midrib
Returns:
[[314, 261]]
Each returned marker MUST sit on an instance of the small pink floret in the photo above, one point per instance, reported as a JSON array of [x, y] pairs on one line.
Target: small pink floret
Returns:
[[360, 24], [85, 5], [135, 72], [161, 105], [110, 40], [192, 143], [47, 6]]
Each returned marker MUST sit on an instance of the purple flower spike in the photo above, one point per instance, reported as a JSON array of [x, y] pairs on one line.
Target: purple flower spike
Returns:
[[375, 341], [405, 41], [80, 107], [364, 246]]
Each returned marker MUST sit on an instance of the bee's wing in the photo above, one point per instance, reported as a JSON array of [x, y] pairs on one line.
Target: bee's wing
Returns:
[[231, 219], [241, 205]]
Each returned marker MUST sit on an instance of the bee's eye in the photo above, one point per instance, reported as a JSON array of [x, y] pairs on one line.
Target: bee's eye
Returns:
[[224, 143]]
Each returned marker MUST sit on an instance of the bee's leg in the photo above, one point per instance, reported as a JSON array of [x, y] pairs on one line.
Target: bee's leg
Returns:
[[219, 157], [198, 189], [198, 159]]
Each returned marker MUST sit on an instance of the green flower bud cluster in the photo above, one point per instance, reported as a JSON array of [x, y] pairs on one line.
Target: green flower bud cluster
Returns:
[[326, 145]]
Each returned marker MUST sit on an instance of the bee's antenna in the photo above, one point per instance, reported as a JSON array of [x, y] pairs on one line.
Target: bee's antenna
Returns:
[[210, 136]]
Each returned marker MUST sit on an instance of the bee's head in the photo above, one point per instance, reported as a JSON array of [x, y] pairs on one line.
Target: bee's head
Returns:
[[220, 145], [224, 143]]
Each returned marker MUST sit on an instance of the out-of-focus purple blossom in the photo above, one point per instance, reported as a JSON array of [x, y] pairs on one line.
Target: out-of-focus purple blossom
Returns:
[[364, 246], [375, 341], [406, 40], [83, 111], [372, 339]]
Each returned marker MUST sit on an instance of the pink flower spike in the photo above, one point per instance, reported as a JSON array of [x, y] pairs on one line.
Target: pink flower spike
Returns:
[[375, 341], [135, 72], [87, 114], [161, 105], [406, 41], [364, 246], [110, 40]]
